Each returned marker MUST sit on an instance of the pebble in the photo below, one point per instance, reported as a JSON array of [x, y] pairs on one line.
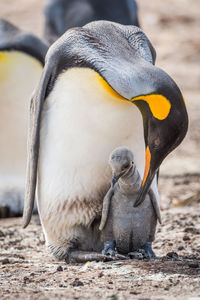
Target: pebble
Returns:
[[134, 293], [2, 233], [193, 265], [100, 274], [186, 238], [5, 261], [59, 269], [189, 229], [181, 248], [172, 255], [27, 280], [77, 282]]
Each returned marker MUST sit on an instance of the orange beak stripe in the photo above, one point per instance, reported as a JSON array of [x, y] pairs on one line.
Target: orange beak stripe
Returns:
[[147, 164]]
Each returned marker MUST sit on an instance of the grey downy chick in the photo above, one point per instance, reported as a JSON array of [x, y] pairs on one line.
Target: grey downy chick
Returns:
[[132, 228]]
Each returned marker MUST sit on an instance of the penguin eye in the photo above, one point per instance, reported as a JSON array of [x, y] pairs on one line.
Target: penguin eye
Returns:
[[157, 142]]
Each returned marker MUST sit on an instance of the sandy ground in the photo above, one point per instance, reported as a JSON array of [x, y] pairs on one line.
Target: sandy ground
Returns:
[[28, 271]]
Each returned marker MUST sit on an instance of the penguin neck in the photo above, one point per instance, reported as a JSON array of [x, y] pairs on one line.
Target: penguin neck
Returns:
[[131, 182]]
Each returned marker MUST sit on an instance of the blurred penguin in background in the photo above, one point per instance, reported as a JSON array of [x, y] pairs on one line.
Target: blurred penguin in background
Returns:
[[60, 15], [21, 63]]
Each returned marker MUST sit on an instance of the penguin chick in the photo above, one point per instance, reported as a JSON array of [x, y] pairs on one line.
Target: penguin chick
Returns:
[[132, 228]]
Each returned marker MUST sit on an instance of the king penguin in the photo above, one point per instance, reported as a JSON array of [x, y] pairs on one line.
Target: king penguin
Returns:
[[61, 15], [21, 63], [99, 90]]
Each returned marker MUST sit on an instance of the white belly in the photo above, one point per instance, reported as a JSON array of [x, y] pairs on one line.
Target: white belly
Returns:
[[81, 124], [19, 74]]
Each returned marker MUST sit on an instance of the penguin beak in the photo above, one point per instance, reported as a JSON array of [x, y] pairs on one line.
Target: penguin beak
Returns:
[[148, 177], [115, 178]]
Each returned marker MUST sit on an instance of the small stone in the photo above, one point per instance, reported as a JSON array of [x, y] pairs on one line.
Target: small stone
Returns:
[[189, 229], [134, 293], [186, 238], [77, 283], [59, 269], [26, 279], [113, 297], [1, 233], [193, 265], [110, 282], [100, 274], [5, 261], [172, 255], [180, 248]]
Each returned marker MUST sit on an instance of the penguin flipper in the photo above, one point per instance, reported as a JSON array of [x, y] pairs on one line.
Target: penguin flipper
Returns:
[[35, 110], [155, 205], [106, 205]]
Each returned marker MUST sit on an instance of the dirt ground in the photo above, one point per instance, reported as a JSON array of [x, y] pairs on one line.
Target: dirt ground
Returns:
[[27, 271]]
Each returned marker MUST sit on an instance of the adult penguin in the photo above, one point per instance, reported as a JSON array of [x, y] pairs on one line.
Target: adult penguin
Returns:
[[21, 63], [82, 109], [60, 15]]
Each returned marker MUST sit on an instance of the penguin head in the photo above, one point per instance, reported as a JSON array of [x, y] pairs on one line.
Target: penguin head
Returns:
[[121, 161], [165, 124]]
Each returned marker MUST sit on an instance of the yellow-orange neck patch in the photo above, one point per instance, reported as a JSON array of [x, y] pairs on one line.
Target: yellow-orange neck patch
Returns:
[[158, 104], [3, 57], [109, 89]]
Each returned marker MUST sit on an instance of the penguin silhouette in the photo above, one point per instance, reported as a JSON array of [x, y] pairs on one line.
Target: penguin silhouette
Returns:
[[99, 90], [61, 15]]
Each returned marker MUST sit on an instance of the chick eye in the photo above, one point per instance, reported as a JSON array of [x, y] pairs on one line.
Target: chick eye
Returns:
[[125, 166]]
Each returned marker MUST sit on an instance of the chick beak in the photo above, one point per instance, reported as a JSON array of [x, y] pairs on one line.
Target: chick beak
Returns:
[[115, 178]]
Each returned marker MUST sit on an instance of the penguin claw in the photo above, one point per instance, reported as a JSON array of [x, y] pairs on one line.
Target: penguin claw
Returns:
[[109, 251], [144, 253], [148, 252], [114, 255], [109, 248]]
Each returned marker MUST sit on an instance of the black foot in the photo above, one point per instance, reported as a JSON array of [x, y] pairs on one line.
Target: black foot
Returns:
[[148, 252], [110, 251], [109, 248], [145, 253]]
